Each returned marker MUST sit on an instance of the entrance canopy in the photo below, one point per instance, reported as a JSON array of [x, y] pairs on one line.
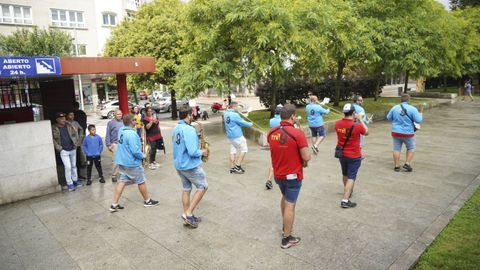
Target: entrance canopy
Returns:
[[106, 65]]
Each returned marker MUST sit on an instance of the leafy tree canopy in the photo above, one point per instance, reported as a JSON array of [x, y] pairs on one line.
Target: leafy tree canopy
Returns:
[[36, 42]]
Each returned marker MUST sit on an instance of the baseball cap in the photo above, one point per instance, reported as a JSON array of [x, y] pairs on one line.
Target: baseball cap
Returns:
[[59, 114], [348, 108]]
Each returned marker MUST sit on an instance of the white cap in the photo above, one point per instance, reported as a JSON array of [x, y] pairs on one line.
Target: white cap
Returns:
[[279, 106], [348, 108]]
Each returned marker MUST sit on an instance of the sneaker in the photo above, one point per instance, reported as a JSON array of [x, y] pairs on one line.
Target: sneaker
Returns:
[[114, 179], [89, 182], [269, 184], [152, 166], [236, 170], [290, 241], [348, 204], [314, 149], [102, 180], [71, 187], [407, 167], [156, 164], [190, 220], [77, 184], [150, 203], [115, 208], [239, 168], [397, 168]]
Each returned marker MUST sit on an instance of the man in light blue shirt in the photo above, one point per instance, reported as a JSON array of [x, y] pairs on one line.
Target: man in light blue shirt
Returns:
[[359, 110], [315, 114], [404, 117], [188, 163], [129, 158], [238, 144]]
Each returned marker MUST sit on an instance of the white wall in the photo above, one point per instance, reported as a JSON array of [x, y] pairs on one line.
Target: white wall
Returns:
[[27, 161]]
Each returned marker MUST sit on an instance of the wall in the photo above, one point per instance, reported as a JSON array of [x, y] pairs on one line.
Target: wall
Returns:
[[27, 161]]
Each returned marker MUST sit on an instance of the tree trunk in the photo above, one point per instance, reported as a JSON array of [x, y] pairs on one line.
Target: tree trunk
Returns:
[[407, 73], [174, 105], [274, 98], [444, 83], [377, 85], [338, 81]]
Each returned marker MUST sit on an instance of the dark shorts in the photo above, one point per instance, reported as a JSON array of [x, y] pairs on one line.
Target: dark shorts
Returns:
[[290, 189], [318, 131], [350, 167]]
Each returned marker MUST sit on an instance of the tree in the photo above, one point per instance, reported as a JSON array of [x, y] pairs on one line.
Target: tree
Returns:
[[455, 4], [36, 42], [156, 30]]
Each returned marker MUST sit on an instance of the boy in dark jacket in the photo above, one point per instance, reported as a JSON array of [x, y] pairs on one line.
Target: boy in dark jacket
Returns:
[[93, 147]]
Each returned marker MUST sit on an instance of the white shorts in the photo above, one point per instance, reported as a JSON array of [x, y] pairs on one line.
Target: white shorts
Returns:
[[238, 145]]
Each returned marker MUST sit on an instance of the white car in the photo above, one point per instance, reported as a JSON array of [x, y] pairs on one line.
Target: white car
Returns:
[[107, 110], [164, 104]]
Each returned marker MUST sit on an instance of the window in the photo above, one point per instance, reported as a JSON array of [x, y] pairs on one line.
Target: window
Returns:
[[82, 49], [136, 3], [109, 19], [67, 18], [15, 14]]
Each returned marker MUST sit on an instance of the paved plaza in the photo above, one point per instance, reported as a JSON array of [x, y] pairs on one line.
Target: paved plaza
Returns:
[[397, 213]]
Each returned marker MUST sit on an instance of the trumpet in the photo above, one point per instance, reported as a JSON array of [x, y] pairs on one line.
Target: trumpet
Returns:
[[204, 145], [145, 148]]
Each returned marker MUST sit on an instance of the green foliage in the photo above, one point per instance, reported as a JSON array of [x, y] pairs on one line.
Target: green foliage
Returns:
[[154, 31], [458, 245], [36, 42], [455, 4]]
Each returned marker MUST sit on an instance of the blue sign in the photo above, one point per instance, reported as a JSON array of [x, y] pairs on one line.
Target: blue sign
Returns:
[[29, 66]]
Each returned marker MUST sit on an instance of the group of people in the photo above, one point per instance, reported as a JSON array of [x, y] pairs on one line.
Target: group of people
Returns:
[[289, 151]]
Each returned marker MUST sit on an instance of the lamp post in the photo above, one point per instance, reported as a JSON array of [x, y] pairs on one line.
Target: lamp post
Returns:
[[80, 90]]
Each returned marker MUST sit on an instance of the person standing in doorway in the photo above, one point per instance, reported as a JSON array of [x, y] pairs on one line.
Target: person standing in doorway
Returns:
[[111, 140], [93, 148], [129, 158], [404, 117], [81, 161], [66, 141], [80, 116], [289, 153], [238, 144], [188, 163], [348, 139], [154, 136], [315, 114]]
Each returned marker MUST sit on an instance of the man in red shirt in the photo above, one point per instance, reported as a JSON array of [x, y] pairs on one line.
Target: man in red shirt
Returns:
[[352, 155], [289, 153]]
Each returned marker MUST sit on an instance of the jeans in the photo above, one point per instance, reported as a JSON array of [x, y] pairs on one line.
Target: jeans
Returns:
[[399, 141], [69, 160], [153, 150], [194, 176], [98, 166]]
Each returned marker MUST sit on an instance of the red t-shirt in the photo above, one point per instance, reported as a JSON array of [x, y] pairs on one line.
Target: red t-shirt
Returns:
[[352, 149], [285, 151]]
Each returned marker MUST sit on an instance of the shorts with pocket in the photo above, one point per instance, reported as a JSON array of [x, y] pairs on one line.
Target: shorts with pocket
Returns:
[[195, 176], [350, 167], [318, 131], [238, 145], [290, 189], [131, 175], [399, 141]]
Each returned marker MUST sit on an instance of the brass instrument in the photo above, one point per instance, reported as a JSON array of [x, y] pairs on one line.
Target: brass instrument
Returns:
[[145, 148], [204, 145]]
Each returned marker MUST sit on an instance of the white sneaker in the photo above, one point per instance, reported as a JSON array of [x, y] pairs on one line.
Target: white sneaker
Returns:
[[152, 166], [156, 164]]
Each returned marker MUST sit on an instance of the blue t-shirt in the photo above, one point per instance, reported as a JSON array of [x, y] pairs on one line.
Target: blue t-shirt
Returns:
[[358, 110], [186, 149], [92, 146], [234, 123], [401, 123], [315, 114], [129, 149], [275, 121]]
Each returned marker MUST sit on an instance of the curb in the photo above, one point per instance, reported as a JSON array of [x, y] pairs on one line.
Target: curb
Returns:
[[409, 258]]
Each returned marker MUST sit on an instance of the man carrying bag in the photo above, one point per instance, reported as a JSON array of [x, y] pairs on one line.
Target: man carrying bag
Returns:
[[348, 150]]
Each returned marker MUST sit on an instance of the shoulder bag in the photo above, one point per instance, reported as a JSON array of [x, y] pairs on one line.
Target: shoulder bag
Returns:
[[338, 149]]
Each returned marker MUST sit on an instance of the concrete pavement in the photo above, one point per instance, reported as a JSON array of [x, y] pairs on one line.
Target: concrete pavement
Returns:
[[241, 227]]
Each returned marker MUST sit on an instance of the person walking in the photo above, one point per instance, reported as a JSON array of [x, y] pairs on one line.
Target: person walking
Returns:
[[361, 113], [66, 140], [238, 144], [274, 122], [93, 148], [111, 140], [315, 114], [154, 136], [290, 154], [129, 158], [404, 117], [349, 132], [187, 157], [468, 90]]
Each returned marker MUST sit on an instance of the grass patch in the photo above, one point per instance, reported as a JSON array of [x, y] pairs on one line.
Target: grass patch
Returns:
[[458, 245], [451, 89], [262, 118]]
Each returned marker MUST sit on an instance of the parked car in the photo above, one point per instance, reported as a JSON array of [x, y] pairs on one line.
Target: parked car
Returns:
[[164, 104], [143, 95], [107, 110]]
